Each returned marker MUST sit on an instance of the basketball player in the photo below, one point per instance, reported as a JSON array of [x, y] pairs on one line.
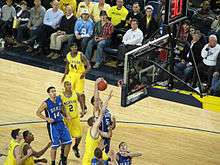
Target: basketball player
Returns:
[[14, 153], [107, 119], [58, 132], [124, 157], [26, 145], [93, 138], [97, 160], [70, 101], [76, 68]]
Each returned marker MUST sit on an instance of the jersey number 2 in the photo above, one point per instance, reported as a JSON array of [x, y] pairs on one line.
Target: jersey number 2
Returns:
[[71, 108]]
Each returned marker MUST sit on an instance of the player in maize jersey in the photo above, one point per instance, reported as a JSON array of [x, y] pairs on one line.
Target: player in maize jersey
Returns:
[[14, 156], [124, 157], [77, 65], [107, 120], [26, 145], [93, 137], [70, 101], [58, 132]]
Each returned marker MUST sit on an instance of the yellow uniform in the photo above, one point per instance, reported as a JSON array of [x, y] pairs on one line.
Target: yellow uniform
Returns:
[[29, 160], [117, 15], [10, 160], [71, 106], [76, 68], [91, 145], [72, 3]]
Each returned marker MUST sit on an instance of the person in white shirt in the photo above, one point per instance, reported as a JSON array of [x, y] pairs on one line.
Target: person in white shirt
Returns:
[[132, 39], [51, 22], [209, 54]]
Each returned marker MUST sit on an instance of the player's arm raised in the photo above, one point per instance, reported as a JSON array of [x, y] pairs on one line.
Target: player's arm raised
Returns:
[[18, 155], [42, 108], [96, 95], [38, 154], [134, 154]]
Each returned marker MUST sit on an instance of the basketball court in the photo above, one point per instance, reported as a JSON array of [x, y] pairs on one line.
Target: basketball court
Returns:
[[164, 132]]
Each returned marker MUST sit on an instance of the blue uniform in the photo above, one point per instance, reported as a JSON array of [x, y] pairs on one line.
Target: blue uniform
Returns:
[[104, 126], [123, 160], [95, 161], [58, 132]]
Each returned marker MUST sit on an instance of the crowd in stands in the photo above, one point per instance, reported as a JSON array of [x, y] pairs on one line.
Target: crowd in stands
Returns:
[[120, 25]]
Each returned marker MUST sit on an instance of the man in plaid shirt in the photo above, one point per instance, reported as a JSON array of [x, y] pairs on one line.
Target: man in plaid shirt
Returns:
[[102, 38]]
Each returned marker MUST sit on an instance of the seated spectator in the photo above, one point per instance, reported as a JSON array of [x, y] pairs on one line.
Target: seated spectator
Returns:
[[184, 32], [51, 22], [36, 19], [118, 14], [129, 4], [215, 86], [23, 15], [98, 7], [102, 38], [184, 69], [8, 13], [65, 3], [215, 27], [132, 39], [149, 24], [135, 13], [65, 32], [203, 18], [85, 5], [209, 54], [124, 156], [83, 30]]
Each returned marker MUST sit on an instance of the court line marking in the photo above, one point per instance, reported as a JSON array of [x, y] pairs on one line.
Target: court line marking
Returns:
[[124, 122]]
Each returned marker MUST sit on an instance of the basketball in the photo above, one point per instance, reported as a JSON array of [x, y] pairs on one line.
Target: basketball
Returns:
[[102, 85]]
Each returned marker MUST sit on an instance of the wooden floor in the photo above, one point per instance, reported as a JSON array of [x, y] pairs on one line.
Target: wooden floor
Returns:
[[165, 132]]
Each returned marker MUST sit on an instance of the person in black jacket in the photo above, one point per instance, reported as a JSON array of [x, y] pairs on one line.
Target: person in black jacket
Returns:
[[65, 32], [135, 13], [148, 24], [185, 68]]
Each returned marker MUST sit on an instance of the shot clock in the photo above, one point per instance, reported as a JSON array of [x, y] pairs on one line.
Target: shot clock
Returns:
[[175, 11]]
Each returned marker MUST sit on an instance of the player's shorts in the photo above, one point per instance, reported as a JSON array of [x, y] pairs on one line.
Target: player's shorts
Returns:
[[77, 83], [74, 127], [59, 134], [87, 160]]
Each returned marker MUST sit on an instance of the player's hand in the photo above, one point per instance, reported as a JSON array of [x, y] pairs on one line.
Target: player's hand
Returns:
[[29, 152], [98, 80], [68, 118], [49, 120], [112, 155], [82, 113], [49, 144], [83, 75]]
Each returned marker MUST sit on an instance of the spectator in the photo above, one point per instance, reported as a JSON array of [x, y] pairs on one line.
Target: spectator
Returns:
[[132, 39], [203, 18], [51, 22], [215, 86], [184, 33], [14, 152], [215, 6], [209, 54], [98, 7], [135, 13], [47, 4], [8, 13], [102, 38], [65, 3], [83, 30], [65, 32], [23, 15], [215, 27], [184, 69], [36, 19], [118, 14], [149, 24], [85, 5], [129, 4]]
